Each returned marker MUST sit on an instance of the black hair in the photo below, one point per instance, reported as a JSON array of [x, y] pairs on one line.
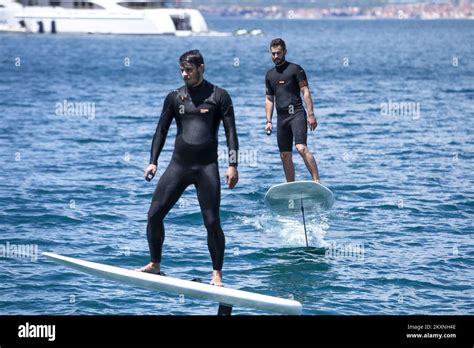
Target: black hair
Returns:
[[193, 57], [278, 42]]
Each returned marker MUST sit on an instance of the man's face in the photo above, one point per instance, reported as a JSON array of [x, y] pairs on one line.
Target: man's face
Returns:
[[191, 74], [278, 55]]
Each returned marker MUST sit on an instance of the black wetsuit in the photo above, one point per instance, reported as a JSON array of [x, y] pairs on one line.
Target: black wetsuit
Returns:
[[284, 82], [198, 112]]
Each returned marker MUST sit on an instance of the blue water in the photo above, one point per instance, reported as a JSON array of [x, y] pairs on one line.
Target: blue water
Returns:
[[403, 182]]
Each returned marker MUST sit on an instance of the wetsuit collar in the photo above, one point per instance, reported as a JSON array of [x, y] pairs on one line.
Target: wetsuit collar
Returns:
[[282, 66], [195, 88], [184, 91]]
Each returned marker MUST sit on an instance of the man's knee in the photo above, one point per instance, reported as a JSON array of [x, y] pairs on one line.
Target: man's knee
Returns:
[[285, 156], [302, 149], [211, 222], [156, 212]]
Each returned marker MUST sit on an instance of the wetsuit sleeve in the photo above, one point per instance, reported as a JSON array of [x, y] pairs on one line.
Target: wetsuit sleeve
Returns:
[[162, 128], [301, 76], [228, 118], [268, 86]]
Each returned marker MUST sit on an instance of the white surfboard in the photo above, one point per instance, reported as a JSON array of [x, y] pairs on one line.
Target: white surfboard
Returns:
[[225, 296], [288, 198]]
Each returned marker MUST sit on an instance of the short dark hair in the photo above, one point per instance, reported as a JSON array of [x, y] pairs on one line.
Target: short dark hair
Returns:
[[194, 57], [278, 42]]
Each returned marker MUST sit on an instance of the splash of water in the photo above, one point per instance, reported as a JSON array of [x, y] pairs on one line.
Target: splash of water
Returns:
[[289, 232]]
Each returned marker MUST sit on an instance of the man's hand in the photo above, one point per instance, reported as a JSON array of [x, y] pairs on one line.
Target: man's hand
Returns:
[[151, 169], [232, 177], [312, 123], [268, 127]]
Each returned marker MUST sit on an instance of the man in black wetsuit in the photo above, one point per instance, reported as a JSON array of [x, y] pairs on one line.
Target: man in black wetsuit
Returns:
[[198, 108], [284, 85]]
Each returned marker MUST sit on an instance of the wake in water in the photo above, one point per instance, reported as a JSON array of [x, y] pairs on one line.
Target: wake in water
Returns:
[[289, 232]]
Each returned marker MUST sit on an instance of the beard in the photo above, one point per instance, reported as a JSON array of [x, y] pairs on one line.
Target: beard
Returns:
[[193, 81], [278, 61]]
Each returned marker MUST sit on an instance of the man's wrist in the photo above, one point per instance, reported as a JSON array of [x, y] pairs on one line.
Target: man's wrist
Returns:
[[269, 121]]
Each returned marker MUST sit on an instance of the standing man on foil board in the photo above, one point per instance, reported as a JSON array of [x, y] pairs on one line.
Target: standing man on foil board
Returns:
[[198, 108]]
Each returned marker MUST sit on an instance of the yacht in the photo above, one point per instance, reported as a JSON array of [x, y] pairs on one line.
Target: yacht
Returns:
[[101, 17]]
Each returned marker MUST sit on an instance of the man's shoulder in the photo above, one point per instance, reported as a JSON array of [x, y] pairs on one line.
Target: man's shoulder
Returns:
[[270, 71], [295, 67], [174, 92], [219, 91]]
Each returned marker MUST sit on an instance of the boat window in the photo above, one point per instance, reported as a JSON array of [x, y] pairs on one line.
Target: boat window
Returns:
[[144, 4], [86, 5], [29, 2], [181, 22]]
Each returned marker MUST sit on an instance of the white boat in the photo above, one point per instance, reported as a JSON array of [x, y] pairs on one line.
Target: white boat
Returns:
[[100, 17]]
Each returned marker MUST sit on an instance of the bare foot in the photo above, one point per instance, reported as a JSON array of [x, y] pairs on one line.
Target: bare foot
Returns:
[[152, 267], [216, 278], [317, 181]]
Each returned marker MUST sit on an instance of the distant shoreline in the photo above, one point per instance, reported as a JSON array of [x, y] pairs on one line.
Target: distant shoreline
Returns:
[[422, 11], [355, 18]]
